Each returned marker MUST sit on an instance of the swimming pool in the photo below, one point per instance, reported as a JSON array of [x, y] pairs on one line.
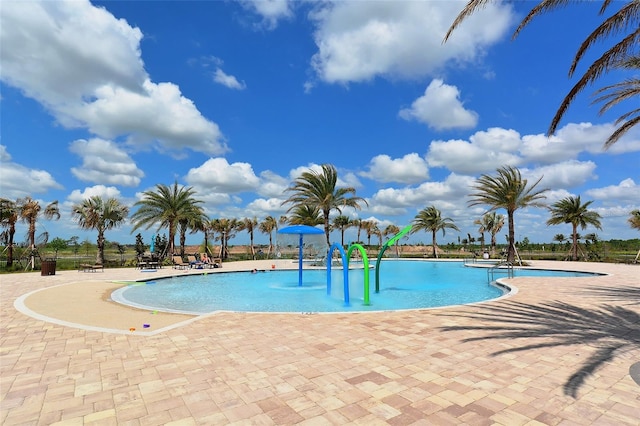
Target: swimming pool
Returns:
[[404, 284]]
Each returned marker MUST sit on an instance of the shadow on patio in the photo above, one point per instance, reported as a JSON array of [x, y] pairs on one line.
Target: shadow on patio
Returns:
[[628, 295], [610, 330]]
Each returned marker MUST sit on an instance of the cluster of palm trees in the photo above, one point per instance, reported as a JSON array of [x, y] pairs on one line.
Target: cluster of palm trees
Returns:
[[314, 197]]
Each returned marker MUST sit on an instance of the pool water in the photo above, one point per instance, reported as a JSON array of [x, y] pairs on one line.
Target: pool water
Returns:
[[403, 285]]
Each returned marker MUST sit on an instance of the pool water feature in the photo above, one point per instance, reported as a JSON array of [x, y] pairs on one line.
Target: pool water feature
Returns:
[[404, 284]]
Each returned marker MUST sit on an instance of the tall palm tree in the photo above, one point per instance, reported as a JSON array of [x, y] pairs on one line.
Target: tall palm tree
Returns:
[[249, 225], [318, 189], [634, 222], [572, 210], [342, 223], [101, 215], [267, 226], [430, 219], [29, 210], [507, 191], [165, 207], [8, 219], [623, 22]]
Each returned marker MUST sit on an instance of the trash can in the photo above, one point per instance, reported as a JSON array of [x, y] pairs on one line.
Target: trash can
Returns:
[[48, 267]]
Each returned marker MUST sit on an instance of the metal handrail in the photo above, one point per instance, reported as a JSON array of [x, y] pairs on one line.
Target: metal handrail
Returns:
[[500, 267]]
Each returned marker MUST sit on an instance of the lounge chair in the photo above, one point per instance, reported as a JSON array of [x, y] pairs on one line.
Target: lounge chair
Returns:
[[85, 267], [178, 263], [193, 262], [210, 263]]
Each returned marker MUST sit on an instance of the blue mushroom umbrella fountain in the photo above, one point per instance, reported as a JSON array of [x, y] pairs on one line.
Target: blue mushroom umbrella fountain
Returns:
[[300, 230]]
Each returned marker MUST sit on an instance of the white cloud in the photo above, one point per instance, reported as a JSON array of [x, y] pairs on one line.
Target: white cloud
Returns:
[[77, 196], [272, 185], [626, 191], [216, 175], [485, 152], [360, 40], [18, 181], [449, 192], [409, 169], [271, 11], [567, 174], [96, 80], [440, 108], [227, 80], [104, 162]]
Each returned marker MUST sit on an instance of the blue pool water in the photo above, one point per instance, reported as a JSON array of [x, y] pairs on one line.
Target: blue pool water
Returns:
[[403, 285]]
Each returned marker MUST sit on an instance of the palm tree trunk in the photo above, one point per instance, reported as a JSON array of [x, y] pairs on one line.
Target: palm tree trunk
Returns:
[[511, 254], [574, 250], [433, 244], [100, 243]]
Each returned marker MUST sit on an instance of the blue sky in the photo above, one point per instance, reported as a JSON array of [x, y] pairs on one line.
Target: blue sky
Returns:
[[236, 99]]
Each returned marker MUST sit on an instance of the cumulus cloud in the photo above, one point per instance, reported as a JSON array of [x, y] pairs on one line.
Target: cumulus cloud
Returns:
[[227, 80], [567, 174], [216, 175], [85, 67], [104, 162], [484, 152], [409, 169], [448, 192], [77, 196], [358, 41], [625, 191], [440, 108], [18, 181]]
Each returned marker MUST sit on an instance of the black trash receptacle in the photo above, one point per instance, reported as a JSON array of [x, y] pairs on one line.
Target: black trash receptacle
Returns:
[[48, 267]]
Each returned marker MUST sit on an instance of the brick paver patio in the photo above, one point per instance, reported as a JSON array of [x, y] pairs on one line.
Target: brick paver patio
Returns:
[[558, 352]]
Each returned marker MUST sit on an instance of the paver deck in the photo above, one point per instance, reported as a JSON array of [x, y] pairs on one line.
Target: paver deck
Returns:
[[558, 352]]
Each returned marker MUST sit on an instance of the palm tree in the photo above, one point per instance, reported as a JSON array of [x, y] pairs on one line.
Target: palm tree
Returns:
[[250, 226], [227, 229], [634, 222], [192, 220], [623, 21], [342, 223], [559, 238], [318, 189], [508, 191], [165, 207], [430, 219], [8, 219], [267, 226], [303, 214], [571, 210], [358, 224], [492, 223], [101, 215], [29, 210], [391, 231]]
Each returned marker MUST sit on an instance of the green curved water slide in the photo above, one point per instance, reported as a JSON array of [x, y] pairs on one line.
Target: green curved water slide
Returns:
[[386, 245]]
